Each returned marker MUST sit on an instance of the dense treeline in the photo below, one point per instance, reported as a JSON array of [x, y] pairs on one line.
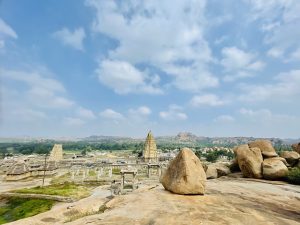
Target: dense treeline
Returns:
[[43, 148], [213, 156], [136, 147]]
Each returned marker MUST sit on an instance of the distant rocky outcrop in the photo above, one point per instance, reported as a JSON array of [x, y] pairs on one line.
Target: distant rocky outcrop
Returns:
[[249, 160], [186, 136], [291, 157], [274, 168], [185, 174], [265, 147]]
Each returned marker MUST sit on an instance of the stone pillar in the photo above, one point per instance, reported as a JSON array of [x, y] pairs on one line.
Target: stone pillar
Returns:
[[110, 172], [148, 171], [123, 181], [133, 181], [83, 175]]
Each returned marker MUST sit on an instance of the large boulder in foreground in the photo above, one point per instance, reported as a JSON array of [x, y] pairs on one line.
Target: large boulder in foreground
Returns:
[[291, 157], [249, 160], [265, 146], [296, 147], [274, 169], [185, 174]]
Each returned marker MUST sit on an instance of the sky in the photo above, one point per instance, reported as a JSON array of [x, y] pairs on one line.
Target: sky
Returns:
[[88, 67]]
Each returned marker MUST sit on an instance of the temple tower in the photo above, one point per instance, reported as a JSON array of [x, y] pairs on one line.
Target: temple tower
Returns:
[[57, 153], [150, 150]]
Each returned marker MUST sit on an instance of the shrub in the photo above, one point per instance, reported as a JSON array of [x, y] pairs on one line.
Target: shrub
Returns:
[[294, 176]]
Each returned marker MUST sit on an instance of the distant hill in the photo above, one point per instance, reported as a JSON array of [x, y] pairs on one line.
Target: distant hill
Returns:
[[182, 138]]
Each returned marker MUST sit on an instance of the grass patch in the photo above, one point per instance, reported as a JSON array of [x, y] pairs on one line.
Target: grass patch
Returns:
[[116, 171], [293, 176], [66, 189], [61, 179], [19, 208], [92, 173]]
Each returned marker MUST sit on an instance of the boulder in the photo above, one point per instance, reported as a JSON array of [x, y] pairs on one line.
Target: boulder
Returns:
[[291, 157], [216, 170], [274, 169], [249, 160], [265, 146], [282, 160], [222, 169], [185, 174], [211, 172], [296, 147]]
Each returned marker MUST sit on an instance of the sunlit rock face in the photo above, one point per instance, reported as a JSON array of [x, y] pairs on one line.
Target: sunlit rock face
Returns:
[[274, 168], [265, 147], [185, 174], [249, 160]]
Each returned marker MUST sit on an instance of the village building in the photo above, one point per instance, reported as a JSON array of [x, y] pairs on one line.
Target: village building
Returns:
[[150, 150]]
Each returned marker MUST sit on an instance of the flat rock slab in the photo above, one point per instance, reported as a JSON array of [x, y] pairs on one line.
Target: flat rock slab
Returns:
[[227, 201]]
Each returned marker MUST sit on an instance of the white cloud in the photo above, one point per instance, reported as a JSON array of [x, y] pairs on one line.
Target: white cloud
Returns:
[[6, 30], [282, 18], [275, 52], [28, 115], [124, 78], [140, 111], [207, 100], [295, 55], [73, 121], [264, 114], [73, 39], [168, 36], [111, 114], [235, 59], [173, 113], [285, 88], [85, 113], [240, 63], [39, 89], [224, 119]]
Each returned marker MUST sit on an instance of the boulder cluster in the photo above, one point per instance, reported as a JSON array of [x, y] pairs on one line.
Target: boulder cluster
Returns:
[[258, 159]]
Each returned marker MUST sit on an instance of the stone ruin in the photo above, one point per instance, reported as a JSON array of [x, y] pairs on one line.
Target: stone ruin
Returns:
[[150, 150], [56, 153]]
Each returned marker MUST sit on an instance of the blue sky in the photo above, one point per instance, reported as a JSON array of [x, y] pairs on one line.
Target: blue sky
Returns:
[[214, 68]]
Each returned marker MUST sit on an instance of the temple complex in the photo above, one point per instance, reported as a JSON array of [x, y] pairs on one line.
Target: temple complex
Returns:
[[150, 150], [56, 153]]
